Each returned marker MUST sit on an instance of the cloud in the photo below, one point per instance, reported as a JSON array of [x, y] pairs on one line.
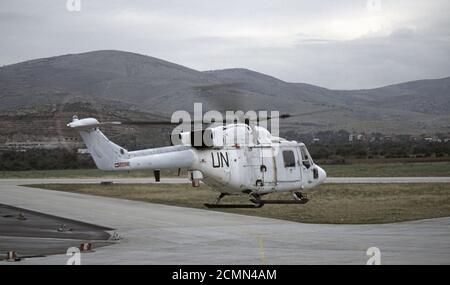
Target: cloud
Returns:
[[335, 44], [404, 33]]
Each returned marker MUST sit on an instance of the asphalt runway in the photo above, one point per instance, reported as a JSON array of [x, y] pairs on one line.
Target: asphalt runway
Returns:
[[33, 234], [160, 234]]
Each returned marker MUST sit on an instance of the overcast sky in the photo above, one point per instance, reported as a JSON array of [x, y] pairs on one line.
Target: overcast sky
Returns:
[[334, 44]]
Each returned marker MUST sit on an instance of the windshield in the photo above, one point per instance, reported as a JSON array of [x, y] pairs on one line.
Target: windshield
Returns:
[[306, 158]]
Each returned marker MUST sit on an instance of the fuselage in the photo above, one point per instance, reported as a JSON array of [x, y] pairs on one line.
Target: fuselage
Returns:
[[232, 159]]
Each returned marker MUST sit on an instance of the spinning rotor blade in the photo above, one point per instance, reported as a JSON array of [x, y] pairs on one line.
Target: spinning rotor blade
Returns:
[[154, 123], [225, 121], [287, 116], [313, 112]]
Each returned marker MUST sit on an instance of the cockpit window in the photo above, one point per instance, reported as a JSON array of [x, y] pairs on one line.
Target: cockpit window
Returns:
[[289, 158], [306, 159]]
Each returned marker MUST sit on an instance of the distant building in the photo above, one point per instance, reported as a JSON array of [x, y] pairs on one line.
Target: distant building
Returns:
[[45, 143]]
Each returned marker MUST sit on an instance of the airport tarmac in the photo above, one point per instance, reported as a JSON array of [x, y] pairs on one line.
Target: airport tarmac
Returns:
[[160, 234], [34, 234]]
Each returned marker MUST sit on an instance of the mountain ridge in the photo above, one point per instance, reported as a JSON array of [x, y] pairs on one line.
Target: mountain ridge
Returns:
[[149, 84]]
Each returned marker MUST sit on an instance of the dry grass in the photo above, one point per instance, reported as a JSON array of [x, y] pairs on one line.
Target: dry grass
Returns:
[[389, 169], [329, 203]]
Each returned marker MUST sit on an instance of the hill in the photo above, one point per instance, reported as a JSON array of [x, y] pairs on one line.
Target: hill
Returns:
[[123, 85]]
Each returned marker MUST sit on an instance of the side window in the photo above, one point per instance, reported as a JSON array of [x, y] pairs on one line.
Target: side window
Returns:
[[288, 158]]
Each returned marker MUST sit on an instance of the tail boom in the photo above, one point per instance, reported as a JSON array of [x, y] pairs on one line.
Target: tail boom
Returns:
[[112, 157]]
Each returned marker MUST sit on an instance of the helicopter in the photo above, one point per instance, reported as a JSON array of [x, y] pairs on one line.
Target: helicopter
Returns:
[[238, 158]]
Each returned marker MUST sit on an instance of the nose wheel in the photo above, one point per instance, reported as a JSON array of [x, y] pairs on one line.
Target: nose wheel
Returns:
[[299, 196]]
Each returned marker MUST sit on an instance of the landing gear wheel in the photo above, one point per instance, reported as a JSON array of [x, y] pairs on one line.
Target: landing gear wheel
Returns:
[[220, 197], [299, 196]]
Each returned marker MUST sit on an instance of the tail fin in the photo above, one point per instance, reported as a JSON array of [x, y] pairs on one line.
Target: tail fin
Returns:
[[105, 153]]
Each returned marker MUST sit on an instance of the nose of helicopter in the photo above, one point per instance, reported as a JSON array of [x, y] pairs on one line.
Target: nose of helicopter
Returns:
[[322, 175]]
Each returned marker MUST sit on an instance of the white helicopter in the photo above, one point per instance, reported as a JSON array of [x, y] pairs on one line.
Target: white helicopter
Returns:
[[237, 159]]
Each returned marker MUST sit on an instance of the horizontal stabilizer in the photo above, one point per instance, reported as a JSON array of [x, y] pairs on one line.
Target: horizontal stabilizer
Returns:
[[87, 123]]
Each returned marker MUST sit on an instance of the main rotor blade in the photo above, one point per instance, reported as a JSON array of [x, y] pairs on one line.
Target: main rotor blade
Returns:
[[287, 116], [158, 123], [155, 123], [225, 121]]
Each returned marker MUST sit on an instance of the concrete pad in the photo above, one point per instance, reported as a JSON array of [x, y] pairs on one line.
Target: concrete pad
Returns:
[[160, 234]]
